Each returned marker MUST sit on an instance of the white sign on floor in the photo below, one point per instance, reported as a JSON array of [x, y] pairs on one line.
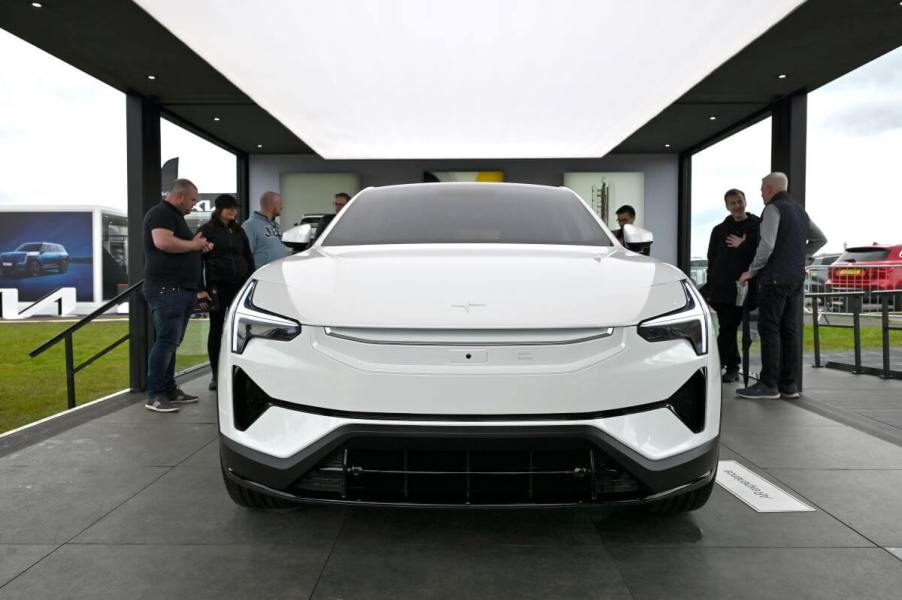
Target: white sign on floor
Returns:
[[756, 491]]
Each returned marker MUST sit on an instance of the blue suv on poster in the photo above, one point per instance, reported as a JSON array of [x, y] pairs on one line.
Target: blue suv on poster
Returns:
[[32, 258]]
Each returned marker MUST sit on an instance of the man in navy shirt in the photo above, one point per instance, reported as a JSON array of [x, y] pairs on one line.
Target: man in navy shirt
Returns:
[[172, 271]]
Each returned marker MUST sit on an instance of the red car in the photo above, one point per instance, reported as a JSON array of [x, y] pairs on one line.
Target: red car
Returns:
[[869, 268]]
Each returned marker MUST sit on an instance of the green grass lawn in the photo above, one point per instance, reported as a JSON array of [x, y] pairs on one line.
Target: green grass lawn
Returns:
[[34, 388], [834, 338]]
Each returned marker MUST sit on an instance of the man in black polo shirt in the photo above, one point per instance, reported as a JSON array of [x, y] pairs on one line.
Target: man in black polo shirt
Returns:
[[172, 270], [786, 237]]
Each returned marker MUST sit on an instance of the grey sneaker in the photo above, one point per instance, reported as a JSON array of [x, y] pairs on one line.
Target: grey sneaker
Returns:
[[160, 403], [759, 391], [179, 396]]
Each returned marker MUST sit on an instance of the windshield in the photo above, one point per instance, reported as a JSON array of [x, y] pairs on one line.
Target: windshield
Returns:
[[864, 254], [480, 213], [30, 247]]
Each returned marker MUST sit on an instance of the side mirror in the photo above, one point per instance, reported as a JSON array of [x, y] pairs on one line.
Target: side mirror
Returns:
[[638, 239], [298, 238]]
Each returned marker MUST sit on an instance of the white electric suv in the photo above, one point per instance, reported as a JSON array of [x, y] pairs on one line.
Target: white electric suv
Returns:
[[458, 344]]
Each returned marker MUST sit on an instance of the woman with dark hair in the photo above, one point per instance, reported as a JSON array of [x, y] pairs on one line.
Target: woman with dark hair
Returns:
[[225, 268]]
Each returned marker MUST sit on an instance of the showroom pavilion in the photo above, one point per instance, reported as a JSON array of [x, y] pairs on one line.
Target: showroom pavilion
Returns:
[[309, 96]]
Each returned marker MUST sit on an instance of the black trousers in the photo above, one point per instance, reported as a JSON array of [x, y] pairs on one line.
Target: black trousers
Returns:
[[226, 293], [729, 318], [780, 327]]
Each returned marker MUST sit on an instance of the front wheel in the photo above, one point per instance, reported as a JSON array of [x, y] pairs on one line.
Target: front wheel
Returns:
[[244, 496], [34, 268], [687, 502]]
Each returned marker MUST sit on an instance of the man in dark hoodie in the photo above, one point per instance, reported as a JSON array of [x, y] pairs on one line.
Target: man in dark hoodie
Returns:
[[730, 251]]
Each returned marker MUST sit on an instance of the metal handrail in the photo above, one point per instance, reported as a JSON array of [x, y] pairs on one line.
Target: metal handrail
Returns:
[[884, 295], [66, 335]]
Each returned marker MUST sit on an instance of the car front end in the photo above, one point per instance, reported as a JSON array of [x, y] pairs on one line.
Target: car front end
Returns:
[[469, 375]]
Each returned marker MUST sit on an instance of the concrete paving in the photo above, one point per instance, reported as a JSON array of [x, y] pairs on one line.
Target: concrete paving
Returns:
[[131, 504]]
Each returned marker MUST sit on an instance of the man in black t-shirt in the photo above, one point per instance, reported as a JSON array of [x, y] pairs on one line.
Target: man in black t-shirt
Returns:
[[172, 271]]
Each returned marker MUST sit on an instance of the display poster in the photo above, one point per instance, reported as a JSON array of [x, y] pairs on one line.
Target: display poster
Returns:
[[469, 176], [44, 251]]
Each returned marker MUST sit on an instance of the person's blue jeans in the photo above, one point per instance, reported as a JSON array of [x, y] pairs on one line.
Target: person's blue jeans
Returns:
[[171, 308]]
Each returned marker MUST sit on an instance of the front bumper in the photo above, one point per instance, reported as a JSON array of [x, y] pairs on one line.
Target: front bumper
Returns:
[[464, 464]]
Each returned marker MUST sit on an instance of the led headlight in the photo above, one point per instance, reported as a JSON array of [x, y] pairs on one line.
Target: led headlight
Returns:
[[687, 323], [251, 321]]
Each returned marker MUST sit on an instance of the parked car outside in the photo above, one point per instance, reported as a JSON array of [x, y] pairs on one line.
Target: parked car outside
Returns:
[[469, 344], [33, 258], [868, 269]]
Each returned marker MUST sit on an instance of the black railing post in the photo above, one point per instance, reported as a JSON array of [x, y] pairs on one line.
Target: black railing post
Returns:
[[816, 332], [884, 321], [856, 331], [746, 343], [70, 372]]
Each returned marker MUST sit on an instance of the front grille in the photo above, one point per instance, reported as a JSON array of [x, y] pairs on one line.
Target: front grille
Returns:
[[484, 472]]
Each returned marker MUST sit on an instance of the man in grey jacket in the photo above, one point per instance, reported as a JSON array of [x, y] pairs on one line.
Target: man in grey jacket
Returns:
[[786, 237], [263, 232]]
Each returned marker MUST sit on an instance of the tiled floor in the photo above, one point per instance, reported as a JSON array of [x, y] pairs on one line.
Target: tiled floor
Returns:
[[131, 505]]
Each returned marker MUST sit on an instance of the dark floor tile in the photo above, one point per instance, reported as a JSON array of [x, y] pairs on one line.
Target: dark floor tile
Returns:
[[45, 505], [807, 447], [889, 417], [152, 572], [725, 521], [208, 456], [470, 527], [113, 445], [204, 411], [191, 506], [15, 559], [738, 412], [868, 501], [737, 573], [360, 571]]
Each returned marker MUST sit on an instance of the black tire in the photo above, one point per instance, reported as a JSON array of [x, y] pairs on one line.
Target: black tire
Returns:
[[34, 268], [244, 496], [64, 266], [689, 501]]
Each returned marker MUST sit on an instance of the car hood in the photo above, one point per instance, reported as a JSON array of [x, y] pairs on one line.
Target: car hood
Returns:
[[16, 255], [464, 286]]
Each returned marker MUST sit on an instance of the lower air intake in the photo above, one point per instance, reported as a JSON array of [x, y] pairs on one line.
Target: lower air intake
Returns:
[[444, 472]]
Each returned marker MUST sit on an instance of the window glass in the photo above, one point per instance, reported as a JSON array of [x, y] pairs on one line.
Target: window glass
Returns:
[[480, 213]]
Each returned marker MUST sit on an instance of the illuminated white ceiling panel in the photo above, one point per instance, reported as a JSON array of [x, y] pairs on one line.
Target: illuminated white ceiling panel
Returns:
[[465, 78]]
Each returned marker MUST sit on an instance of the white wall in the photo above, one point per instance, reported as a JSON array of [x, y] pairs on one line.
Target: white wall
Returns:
[[660, 215]]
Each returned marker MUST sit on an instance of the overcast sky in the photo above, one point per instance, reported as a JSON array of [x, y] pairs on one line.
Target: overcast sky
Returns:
[[62, 142]]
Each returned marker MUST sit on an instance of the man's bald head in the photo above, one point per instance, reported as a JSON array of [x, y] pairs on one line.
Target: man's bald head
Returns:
[[772, 184], [183, 195], [271, 204]]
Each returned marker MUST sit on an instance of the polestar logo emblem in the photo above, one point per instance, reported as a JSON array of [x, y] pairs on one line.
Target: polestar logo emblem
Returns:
[[467, 306]]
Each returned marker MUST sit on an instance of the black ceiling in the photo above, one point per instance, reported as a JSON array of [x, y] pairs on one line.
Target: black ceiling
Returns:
[[118, 43]]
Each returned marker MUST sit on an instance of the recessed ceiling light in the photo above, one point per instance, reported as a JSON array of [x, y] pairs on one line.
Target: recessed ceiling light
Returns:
[[667, 145], [712, 118], [215, 118], [259, 145], [151, 77], [37, 4], [781, 76]]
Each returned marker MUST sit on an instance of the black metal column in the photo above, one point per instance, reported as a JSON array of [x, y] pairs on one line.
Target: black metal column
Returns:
[[242, 163], [788, 145], [684, 212], [788, 150], [142, 119]]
